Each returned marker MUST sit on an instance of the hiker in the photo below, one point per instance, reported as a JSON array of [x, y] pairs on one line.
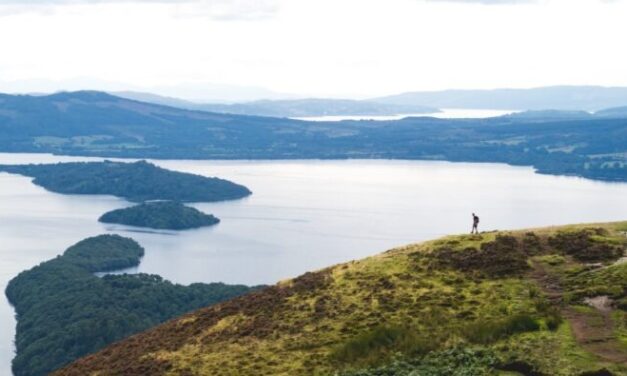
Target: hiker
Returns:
[[475, 224]]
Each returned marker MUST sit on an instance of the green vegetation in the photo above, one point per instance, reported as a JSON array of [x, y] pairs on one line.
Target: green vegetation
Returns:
[[452, 362], [490, 331], [92, 123], [65, 312], [589, 245], [377, 344], [464, 305], [139, 181], [166, 215], [504, 256]]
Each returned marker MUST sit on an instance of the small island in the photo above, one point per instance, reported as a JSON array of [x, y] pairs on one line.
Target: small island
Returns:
[[136, 182], [161, 215]]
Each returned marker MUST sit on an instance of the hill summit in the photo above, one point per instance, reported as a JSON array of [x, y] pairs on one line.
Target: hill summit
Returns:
[[537, 302]]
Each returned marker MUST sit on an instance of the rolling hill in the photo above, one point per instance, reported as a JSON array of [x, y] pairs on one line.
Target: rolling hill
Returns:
[[588, 98], [535, 302], [288, 107], [99, 124]]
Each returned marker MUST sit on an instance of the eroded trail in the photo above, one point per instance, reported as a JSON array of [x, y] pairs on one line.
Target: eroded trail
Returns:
[[593, 327]]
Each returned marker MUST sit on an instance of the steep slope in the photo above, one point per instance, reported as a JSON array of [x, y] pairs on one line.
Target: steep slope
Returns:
[[465, 304]]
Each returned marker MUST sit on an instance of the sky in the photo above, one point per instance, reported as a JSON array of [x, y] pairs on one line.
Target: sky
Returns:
[[197, 49]]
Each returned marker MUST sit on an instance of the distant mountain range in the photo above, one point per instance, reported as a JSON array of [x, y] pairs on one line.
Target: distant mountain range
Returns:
[[100, 124], [264, 102], [586, 98], [293, 108], [197, 91], [577, 100]]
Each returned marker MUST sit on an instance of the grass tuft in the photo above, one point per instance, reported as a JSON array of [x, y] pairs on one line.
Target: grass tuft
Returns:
[[381, 343], [490, 331]]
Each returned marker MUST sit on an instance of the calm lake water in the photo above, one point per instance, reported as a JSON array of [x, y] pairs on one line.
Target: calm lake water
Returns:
[[303, 215], [445, 113]]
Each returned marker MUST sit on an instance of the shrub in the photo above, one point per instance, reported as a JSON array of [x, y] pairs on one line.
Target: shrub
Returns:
[[382, 342], [588, 245], [499, 258], [486, 332], [553, 320], [451, 362]]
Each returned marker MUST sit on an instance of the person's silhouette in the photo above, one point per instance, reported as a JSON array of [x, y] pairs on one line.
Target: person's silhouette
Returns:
[[475, 224]]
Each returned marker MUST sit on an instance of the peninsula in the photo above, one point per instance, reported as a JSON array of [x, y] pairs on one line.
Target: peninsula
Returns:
[[64, 311]]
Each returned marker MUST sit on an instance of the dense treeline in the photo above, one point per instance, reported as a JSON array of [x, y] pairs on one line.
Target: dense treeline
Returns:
[[166, 215], [139, 181], [92, 123], [65, 312]]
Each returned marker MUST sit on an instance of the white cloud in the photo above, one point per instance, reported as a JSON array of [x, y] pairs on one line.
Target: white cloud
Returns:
[[506, 2], [320, 47], [227, 10], [69, 2], [488, 2], [215, 9]]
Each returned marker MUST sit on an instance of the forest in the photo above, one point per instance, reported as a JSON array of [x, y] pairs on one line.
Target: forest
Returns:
[[64, 311], [137, 182], [99, 124], [164, 215]]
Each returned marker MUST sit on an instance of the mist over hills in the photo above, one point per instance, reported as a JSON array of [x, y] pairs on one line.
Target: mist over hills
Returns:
[[225, 99], [288, 107], [587, 98], [196, 91], [557, 98]]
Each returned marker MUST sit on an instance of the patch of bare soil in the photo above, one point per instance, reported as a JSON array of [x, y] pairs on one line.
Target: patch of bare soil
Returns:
[[593, 330]]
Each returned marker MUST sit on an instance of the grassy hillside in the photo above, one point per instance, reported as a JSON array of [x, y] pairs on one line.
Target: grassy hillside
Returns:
[[538, 302], [92, 123]]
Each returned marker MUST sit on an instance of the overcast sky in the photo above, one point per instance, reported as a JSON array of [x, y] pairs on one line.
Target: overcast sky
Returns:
[[334, 48]]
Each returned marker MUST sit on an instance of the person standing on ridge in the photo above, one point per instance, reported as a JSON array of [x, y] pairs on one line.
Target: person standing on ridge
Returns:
[[475, 224]]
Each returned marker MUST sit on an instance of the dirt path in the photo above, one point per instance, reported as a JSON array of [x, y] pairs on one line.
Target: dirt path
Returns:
[[594, 329]]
